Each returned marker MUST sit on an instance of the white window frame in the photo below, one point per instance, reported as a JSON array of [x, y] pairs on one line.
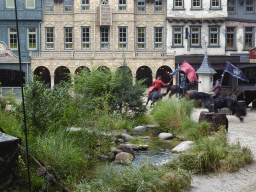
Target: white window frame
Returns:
[[233, 39], [194, 33], [103, 34], [46, 39], [250, 6], [10, 7], [159, 4], [85, 5], [196, 7], [65, 38], [50, 5], [178, 1], [158, 40], [122, 40], [68, 6], [122, 5], [143, 43], [214, 2], [141, 6], [177, 33], [30, 7], [9, 38], [231, 6], [252, 33], [214, 33], [33, 33], [83, 40]]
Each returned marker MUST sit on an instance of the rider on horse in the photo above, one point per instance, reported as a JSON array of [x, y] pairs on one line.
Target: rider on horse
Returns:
[[157, 84], [216, 90]]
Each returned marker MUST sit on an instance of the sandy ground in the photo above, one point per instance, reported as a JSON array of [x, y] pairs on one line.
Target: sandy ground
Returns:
[[244, 180]]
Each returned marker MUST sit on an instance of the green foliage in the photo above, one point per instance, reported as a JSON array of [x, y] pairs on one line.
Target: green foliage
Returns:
[[212, 154], [130, 179], [170, 113]]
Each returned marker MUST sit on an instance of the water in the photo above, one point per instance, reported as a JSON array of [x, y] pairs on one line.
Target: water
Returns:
[[158, 153]]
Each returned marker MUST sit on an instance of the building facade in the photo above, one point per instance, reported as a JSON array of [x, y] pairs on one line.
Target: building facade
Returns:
[[102, 34], [30, 16]]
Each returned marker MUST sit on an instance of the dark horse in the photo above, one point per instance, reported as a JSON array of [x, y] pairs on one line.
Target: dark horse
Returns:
[[219, 102], [154, 95], [176, 88]]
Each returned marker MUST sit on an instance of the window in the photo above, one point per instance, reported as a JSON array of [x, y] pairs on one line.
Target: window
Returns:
[[177, 39], [48, 6], [230, 38], [10, 4], [195, 33], [68, 6], [141, 38], [30, 4], [141, 6], [248, 38], [122, 42], [215, 4], [13, 39], [178, 4], [231, 6], [159, 6], [196, 4], [158, 38], [49, 38], [85, 37], [104, 37], [104, 2], [68, 38], [214, 33], [86, 5], [32, 43], [122, 6], [249, 6]]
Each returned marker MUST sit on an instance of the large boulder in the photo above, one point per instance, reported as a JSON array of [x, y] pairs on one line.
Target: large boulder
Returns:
[[124, 158], [165, 136], [183, 146], [140, 129], [126, 148]]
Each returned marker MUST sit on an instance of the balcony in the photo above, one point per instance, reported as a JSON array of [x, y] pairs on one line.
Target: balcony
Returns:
[[76, 55]]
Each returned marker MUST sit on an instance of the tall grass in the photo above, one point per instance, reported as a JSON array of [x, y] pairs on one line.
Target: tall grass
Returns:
[[213, 154], [130, 179]]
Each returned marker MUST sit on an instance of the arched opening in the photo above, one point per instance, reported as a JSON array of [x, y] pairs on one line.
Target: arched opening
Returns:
[[11, 78], [44, 75], [79, 69], [144, 72], [164, 71], [103, 68], [61, 74]]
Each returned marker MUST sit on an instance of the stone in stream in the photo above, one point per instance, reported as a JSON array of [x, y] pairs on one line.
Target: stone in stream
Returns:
[[140, 129], [183, 146], [165, 136], [126, 148], [124, 158]]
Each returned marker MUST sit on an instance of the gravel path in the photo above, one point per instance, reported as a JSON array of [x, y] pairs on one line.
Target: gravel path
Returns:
[[244, 180]]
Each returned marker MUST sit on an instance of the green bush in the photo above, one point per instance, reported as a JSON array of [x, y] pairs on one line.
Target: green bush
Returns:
[[130, 179], [170, 113]]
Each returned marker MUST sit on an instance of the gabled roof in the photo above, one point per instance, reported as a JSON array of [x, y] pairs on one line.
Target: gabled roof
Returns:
[[206, 67]]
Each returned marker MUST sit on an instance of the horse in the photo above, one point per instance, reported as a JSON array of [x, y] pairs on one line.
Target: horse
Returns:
[[176, 89], [219, 102], [154, 96]]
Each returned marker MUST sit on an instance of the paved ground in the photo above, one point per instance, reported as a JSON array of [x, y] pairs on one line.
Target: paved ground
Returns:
[[244, 180]]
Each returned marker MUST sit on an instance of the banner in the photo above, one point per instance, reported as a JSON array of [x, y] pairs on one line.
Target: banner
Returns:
[[189, 70], [234, 71]]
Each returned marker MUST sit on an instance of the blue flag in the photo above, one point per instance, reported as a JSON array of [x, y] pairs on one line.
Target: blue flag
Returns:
[[234, 71]]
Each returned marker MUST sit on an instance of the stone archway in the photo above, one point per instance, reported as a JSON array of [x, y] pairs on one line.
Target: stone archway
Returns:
[[62, 73], [103, 68], [144, 72], [79, 69], [164, 71], [44, 75]]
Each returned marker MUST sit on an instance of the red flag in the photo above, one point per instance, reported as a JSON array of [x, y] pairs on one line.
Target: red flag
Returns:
[[189, 70]]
